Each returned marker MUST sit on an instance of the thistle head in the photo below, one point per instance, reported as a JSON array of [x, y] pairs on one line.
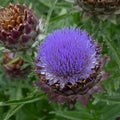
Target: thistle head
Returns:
[[18, 27], [68, 62]]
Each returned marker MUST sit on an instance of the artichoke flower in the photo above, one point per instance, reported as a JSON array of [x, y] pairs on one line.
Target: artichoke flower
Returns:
[[69, 65], [14, 66], [18, 27], [101, 9]]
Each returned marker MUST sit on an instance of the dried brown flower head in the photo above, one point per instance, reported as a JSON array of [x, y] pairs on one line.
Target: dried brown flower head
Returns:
[[18, 27]]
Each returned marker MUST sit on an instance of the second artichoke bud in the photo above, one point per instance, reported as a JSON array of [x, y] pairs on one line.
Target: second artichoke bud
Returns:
[[14, 67], [102, 9], [18, 27]]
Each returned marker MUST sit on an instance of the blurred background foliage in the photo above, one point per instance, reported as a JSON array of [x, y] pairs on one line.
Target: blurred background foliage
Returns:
[[20, 100]]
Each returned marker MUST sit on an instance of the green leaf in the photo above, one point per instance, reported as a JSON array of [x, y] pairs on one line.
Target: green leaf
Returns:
[[27, 58], [21, 101], [116, 56], [13, 61], [12, 111], [2, 48], [114, 99], [74, 115], [110, 112], [49, 15], [56, 19]]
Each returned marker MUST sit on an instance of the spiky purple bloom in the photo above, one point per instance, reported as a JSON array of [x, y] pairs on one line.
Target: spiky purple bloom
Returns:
[[68, 62]]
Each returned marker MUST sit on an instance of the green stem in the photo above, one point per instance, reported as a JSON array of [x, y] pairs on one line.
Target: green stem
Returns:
[[49, 16]]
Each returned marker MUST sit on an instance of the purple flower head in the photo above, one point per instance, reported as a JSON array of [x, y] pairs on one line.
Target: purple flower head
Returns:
[[67, 56], [70, 66]]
